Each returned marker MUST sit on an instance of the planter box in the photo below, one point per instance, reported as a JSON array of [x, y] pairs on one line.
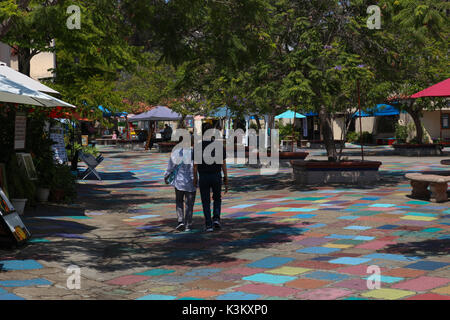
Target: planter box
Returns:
[[418, 150], [317, 144], [326, 172]]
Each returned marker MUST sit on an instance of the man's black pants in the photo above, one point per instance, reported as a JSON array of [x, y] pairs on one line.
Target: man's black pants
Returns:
[[208, 182]]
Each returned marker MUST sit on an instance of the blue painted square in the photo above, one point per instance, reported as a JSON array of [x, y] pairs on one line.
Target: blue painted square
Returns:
[[8, 265], [382, 205], [364, 238], [202, 272], [155, 272], [357, 228], [388, 227], [388, 256], [370, 198], [318, 250], [270, 262], [25, 283], [427, 265], [318, 225], [269, 278], [432, 230], [349, 260], [339, 236], [10, 296], [303, 210], [3, 291], [238, 295], [157, 297], [321, 275], [349, 217]]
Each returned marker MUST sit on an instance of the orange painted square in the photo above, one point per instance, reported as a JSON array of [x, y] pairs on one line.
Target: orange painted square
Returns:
[[404, 273]]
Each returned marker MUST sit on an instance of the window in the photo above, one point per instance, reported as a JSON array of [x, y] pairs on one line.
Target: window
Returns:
[[445, 121]]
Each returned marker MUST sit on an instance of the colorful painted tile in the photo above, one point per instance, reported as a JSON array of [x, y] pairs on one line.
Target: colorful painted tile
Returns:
[[289, 271], [325, 294], [25, 283], [157, 297], [155, 272], [238, 295], [270, 262], [269, 278], [9, 265], [387, 294], [427, 265], [127, 280], [321, 275], [267, 290], [318, 250], [350, 260], [422, 283]]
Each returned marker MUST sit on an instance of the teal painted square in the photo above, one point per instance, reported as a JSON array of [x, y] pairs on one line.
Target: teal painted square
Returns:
[[25, 283], [303, 216], [348, 217], [382, 205], [269, 278], [318, 250], [432, 230], [270, 262], [321, 275], [387, 279], [420, 214], [363, 238], [238, 295], [155, 272], [420, 203], [157, 297]]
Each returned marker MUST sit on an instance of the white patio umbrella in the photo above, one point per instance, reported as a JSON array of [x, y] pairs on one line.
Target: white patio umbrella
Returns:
[[13, 92], [24, 80]]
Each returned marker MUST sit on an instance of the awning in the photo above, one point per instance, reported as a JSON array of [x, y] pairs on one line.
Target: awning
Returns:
[[379, 111], [290, 115], [441, 89], [24, 80], [159, 113]]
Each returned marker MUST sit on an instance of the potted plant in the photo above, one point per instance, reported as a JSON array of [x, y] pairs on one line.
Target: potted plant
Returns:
[[46, 175], [63, 184]]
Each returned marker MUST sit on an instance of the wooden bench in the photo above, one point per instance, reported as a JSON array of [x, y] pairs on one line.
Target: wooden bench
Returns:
[[438, 183]]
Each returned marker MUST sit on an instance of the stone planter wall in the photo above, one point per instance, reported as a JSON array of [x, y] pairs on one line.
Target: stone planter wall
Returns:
[[324, 172], [418, 150], [285, 159]]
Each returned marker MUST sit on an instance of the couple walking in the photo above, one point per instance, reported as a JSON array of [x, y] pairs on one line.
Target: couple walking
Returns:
[[186, 176]]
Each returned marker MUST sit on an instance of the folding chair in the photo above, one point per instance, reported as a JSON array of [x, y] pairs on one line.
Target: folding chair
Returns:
[[92, 163]]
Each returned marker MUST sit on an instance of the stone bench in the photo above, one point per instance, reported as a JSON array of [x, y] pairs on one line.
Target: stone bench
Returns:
[[438, 185]]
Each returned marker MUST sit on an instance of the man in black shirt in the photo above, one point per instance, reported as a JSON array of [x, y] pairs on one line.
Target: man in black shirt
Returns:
[[210, 178]]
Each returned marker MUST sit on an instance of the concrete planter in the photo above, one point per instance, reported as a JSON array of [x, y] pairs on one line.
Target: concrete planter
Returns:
[[418, 150], [42, 194], [326, 172], [317, 144]]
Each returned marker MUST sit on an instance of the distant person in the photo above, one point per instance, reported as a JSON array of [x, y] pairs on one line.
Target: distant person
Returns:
[[209, 178], [180, 174], [167, 133], [114, 136]]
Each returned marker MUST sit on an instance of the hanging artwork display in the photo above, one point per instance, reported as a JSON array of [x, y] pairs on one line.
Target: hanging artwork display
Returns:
[[26, 161], [12, 228], [20, 131], [59, 146]]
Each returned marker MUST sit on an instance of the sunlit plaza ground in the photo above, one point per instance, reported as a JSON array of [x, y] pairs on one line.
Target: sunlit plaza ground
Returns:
[[278, 241]]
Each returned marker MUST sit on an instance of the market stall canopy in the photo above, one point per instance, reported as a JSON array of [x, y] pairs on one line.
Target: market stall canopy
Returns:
[[159, 113], [441, 89], [379, 111], [13, 92], [24, 80], [290, 115]]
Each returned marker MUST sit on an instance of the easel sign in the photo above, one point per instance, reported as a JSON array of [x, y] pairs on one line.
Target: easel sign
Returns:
[[12, 229]]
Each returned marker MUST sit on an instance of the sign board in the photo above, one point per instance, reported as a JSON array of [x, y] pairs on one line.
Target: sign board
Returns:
[[59, 146], [20, 131], [12, 228], [84, 140], [26, 161]]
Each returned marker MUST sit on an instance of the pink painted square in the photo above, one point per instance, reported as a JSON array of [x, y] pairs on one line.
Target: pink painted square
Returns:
[[325, 294], [126, 280], [245, 271], [421, 283], [267, 290], [355, 284], [375, 245], [359, 270]]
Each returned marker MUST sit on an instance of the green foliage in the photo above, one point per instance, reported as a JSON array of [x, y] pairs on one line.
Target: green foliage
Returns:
[[355, 137], [352, 137], [63, 180], [401, 132], [19, 186]]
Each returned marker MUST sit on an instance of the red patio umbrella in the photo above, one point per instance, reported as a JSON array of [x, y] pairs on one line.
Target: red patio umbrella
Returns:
[[441, 89]]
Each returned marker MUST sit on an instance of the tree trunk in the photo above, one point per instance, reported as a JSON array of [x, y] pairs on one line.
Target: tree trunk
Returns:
[[327, 132], [419, 130], [24, 61]]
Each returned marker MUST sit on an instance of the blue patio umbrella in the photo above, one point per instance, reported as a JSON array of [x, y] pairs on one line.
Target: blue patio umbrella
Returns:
[[109, 113], [290, 115]]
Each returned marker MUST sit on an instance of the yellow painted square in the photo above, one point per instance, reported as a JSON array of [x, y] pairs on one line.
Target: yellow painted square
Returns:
[[337, 246], [128, 220], [289, 220], [387, 294], [289, 271], [418, 218], [278, 209], [442, 290], [321, 201]]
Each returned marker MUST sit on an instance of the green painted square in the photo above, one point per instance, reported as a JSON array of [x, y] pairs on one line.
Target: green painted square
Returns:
[[365, 213], [420, 203], [155, 272], [348, 241]]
